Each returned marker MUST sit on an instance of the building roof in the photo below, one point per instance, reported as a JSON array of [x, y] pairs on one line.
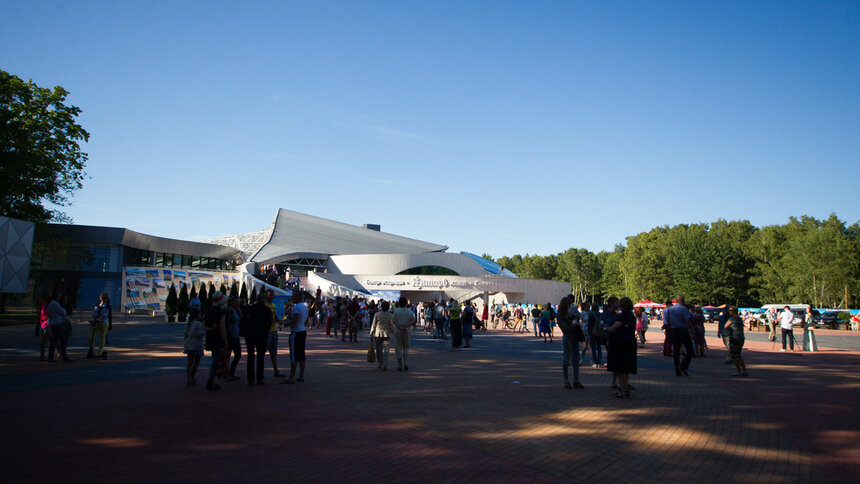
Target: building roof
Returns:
[[303, 235], [130, 238]]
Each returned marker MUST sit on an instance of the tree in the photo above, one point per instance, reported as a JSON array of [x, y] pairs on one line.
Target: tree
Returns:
[[40, 154], [254, 294], [223, 289], [234, 290], [244, 292], [171, 302], [182, 305]]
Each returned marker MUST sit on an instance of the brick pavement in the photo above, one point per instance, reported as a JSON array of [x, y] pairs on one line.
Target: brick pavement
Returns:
[[496, 412]]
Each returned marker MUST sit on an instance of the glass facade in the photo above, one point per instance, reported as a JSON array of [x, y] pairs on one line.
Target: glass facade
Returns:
[[138, 257]]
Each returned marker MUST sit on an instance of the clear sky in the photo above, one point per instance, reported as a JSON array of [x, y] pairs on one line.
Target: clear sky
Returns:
[[498, 127]]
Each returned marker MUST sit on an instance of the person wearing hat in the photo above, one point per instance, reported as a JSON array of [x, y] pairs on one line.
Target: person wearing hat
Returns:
[[216, 338]]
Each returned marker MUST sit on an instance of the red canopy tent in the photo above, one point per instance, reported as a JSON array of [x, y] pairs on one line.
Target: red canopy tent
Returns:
[[648, 304]]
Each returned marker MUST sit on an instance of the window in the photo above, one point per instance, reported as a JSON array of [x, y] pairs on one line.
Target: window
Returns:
[[428, 271]]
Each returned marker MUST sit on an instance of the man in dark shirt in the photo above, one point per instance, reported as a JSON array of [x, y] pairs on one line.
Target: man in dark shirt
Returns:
[[258, 335], [354, 312]]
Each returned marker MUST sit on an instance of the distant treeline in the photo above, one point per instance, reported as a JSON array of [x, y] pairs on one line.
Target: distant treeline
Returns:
[[804, 261]]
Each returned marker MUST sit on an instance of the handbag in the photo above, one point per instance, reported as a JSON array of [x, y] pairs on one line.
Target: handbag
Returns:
[[598, 330], [578, 335], [371, 353]]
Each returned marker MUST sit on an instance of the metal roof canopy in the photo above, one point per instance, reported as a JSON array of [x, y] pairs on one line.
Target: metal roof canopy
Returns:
[[297, 233]]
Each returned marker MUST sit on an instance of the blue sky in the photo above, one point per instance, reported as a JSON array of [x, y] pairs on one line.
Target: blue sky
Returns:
[[498, 127]]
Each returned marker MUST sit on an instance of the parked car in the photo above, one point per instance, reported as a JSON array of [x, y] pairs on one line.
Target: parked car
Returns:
[[830, 319], [711, 314]]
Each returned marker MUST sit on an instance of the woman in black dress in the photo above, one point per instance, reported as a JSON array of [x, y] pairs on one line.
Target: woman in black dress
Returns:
[[621, 360]]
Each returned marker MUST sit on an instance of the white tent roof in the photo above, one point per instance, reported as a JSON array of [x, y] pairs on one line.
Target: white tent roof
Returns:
[[303, 235]]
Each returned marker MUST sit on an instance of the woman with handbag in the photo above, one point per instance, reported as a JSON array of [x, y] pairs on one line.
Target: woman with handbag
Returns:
[[570, 340], [381, 331]]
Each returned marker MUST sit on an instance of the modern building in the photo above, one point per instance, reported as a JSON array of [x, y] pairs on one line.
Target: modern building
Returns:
[[346, 259], [340, 259]]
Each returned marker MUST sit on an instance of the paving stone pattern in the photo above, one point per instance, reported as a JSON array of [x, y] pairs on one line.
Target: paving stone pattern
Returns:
[[496, 412]]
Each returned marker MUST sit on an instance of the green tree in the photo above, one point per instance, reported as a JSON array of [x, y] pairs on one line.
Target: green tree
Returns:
[[182, 305], [223, 289], [41, 161], [581, 268], [171, 302], [244, 292], [234, 290], [613, 277], [254, 294]]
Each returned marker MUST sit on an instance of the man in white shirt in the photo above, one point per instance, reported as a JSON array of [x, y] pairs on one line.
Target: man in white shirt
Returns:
[[786, 322], [297, 318]]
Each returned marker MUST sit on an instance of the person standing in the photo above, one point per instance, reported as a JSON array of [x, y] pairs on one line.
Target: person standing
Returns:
[[621, 354], [404, 320], [809, 343], [467, 319], [569, 343], [680, 322], [381, 331], [439, 317], [216, 339], [44, 327], [298, 338], [734, 326], [724, 333], [193, 345], [102, 323], [595, 341], [272, 343], [353, 311], [57, 318], [454, 312], [786, 323], [586, 320], [256, 341], [770, 315], [485, 314]]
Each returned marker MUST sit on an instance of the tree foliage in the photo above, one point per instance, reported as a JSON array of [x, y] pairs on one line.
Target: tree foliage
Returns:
[[804, 261], [170, 304], [41, 161]]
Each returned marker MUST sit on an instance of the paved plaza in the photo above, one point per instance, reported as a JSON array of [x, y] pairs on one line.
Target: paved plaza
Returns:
[[496, 412]]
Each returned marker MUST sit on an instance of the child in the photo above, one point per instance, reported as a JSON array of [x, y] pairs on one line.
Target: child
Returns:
[[193, 345]]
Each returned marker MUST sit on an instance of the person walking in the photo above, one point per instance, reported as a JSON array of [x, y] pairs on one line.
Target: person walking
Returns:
[[621, 354], [680, 322], [234, 346], [404, 320], [786, 323], [382, 330], [536, 315], [101, 324], [569, 343]]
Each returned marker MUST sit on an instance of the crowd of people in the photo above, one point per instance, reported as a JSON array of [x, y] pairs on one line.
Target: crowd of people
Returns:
[[588, 332]]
